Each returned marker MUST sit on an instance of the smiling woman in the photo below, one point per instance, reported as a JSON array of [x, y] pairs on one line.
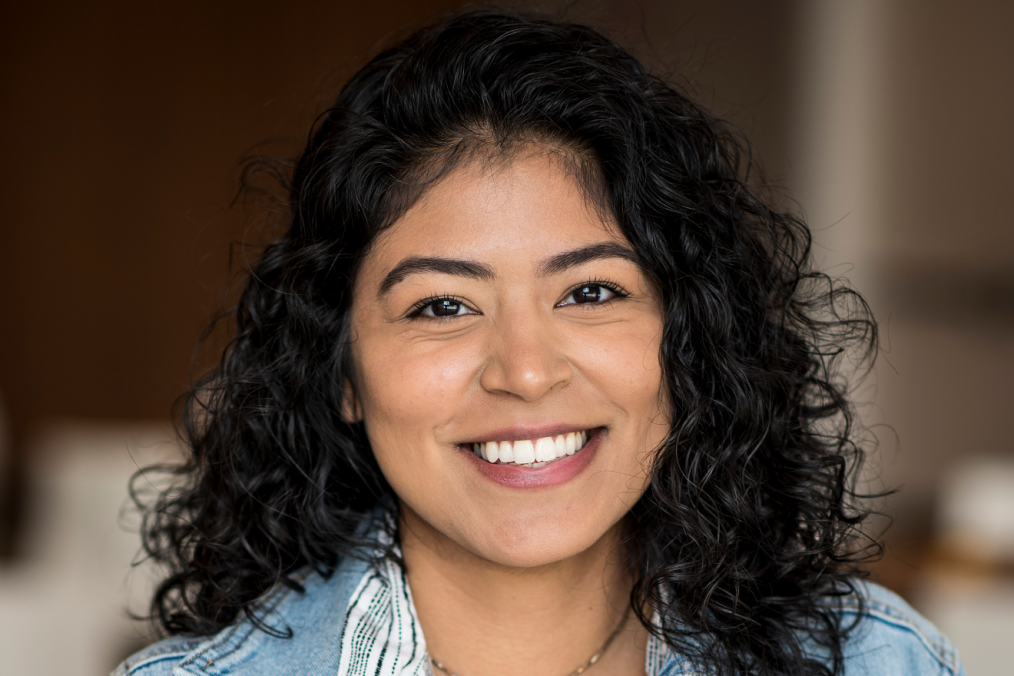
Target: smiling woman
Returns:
[[533, 383]]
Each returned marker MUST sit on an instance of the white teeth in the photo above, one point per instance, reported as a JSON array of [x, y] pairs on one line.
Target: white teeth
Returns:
[[545, 450], [524, 452], [527, 452]]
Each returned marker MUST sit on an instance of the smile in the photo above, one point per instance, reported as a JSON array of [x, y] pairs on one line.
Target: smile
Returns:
[[531, 452], [535, 463]]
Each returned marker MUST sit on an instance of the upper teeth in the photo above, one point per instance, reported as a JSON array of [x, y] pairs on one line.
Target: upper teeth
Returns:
[[529, 452]]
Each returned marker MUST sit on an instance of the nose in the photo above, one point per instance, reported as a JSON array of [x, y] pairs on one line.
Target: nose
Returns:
[[524, 360]]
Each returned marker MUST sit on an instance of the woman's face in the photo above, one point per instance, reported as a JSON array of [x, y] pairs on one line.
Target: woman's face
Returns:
[[501, 308]]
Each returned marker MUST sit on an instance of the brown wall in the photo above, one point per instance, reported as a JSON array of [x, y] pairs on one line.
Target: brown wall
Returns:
[[123, 124]]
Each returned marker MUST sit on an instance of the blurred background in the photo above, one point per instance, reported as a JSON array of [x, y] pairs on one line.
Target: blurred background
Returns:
[[887, 123]]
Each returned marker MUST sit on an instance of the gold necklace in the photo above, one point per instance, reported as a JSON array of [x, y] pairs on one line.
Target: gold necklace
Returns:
[[580, 670]]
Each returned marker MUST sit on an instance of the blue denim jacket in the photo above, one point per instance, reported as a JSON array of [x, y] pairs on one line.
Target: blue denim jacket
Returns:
[[892, 639]]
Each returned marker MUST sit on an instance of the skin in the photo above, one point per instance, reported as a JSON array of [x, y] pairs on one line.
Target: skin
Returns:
[[510, 580]]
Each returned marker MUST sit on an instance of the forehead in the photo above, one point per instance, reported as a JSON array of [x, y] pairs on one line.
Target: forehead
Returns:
[[528, 207]]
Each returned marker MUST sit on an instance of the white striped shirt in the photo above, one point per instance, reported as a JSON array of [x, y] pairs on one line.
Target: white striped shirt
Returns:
[[382, 634]]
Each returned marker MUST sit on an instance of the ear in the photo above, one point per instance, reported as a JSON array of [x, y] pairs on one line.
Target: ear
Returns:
[[351, 411]]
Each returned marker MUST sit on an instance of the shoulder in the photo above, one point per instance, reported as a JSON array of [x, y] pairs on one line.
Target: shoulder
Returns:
[[888, 636], [158, 658], [303, 637]]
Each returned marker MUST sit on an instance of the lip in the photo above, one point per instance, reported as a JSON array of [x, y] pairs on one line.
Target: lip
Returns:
[[555, 473]]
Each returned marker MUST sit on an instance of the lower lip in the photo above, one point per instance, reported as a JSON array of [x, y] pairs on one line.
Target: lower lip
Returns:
[[555, 473]]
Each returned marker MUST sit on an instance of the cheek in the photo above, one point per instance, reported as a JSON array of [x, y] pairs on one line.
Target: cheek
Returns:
[[405, 388], [622, 362]]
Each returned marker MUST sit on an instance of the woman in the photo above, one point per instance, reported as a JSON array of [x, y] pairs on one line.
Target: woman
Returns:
[[533, 383]]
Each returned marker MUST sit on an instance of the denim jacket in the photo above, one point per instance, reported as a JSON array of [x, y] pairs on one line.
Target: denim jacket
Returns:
[[891, 639]]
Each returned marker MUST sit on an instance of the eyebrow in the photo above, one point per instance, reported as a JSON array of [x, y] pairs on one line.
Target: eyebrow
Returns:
[[447, 266], [594, 252], [470, 269]]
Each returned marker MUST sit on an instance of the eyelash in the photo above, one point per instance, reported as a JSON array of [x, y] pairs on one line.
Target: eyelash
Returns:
[[418, 308]]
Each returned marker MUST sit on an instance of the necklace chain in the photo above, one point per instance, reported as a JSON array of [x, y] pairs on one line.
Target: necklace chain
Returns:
[[577, 672]]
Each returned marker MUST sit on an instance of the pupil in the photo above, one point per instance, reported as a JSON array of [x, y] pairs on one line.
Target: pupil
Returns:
[[446, 308], [588, 294]]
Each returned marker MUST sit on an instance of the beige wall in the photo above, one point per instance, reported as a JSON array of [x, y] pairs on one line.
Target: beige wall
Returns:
[[904, 158], [947, 255]]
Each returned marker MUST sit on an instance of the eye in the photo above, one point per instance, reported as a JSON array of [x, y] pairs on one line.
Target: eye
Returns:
[[441, 308], [591, 292]]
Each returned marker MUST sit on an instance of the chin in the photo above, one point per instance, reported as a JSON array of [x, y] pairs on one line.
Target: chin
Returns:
[[522, 543]]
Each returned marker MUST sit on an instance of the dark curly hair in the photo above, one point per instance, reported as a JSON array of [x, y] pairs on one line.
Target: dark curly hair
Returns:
[[746, 540]]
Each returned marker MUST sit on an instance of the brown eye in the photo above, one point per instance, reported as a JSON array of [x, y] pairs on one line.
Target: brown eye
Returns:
[[445, 308], [589, 293], [442, 308]]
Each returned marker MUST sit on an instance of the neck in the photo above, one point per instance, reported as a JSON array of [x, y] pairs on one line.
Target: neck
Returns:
[[485, 619]]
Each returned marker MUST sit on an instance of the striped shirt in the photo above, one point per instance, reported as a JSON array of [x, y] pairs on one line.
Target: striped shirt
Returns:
[[382, 633]]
